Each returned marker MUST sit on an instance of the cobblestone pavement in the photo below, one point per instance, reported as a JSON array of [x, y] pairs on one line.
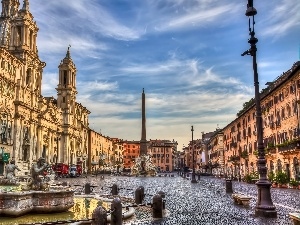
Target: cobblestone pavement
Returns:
[[205, 202]]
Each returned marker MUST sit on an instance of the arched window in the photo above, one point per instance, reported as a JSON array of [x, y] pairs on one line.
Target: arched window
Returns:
[[289, 110], [271, 166], [28, 76], [250, 148], [279, 166], [282, 113], [294, 107]]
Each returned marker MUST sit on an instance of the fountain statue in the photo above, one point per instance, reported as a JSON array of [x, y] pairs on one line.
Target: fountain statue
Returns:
[[9, 175], [143, 166], [37, 171]]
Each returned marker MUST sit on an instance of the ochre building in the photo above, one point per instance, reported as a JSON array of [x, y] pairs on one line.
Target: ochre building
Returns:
[[233, 150]]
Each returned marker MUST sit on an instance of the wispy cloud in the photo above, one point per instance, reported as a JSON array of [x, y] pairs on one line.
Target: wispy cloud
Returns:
[[283, 16]]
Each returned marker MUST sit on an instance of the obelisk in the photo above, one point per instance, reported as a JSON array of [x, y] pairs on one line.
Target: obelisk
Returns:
[[143, 142]]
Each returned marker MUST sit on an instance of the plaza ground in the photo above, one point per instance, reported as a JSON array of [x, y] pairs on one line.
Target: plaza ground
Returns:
[[205, 202]]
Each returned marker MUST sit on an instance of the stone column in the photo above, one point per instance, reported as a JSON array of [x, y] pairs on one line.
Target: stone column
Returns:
[[143, 142]]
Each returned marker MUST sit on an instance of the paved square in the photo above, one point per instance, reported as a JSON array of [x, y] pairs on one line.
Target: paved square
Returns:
[[205, 202]]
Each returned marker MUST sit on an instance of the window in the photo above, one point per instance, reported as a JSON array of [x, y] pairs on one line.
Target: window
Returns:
[[19, 35], [279, 166], [282, 113], [65, 77], [28, 76]]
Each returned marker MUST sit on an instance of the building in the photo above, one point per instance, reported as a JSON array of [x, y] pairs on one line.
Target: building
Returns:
[[280, 119], [194, 148], [118, 149], [131, 150], [34, 126], [215, 149], [163, 154], [101, 154]]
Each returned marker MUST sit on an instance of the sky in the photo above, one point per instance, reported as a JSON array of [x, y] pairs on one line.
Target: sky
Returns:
[[186, 54]]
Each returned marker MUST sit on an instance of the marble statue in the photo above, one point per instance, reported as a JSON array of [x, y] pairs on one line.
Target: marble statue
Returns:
[[9, 175], [36, 182]]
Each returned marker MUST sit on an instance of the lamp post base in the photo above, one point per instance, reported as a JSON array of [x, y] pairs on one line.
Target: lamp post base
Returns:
[[264, 206], [193, 178], [265, 212]]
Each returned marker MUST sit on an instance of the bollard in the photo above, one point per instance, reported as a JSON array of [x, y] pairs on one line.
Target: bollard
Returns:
[[163, 196], [157, 206], [99, 216], [116, 212], [198, 176], [142, 192], [87, 188], [138, 195], [229, 186], [114, 189]]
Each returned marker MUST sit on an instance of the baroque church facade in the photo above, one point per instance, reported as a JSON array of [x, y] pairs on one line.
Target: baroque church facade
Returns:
[[31, 125]]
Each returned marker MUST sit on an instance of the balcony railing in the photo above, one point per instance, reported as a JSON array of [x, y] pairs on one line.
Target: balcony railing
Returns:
[[289, 146]]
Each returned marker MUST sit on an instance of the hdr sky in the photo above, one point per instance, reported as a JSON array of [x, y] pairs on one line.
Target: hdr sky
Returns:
[[185, 53]]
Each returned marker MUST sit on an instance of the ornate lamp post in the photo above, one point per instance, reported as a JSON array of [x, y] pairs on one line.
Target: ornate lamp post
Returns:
[[57, 139], [193, 174], [264, 205]]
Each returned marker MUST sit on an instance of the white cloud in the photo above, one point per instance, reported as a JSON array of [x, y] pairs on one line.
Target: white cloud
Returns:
[[283, 16]]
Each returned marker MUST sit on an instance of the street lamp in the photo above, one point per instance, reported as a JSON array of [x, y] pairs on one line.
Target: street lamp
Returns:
[[57, 139], [193, 174], [264, 205]]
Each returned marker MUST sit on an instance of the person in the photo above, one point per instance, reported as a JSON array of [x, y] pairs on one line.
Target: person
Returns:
[[10, 170]]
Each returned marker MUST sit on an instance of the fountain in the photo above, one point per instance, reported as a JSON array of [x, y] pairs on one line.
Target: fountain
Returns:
[[36, 200], [143, 166], [36, 195]]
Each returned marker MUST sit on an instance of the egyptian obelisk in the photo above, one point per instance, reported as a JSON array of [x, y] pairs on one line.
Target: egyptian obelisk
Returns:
[[143, 142]]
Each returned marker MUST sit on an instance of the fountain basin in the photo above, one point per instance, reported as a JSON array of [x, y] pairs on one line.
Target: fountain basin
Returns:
[[20, 203]]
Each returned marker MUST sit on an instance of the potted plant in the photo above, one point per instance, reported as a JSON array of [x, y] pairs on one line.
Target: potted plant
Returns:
[[254, 177], [294, 183], [248, 178], [282, 179], [272, 178]]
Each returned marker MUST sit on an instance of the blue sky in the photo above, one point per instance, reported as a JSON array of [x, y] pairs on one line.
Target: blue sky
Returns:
[[185, 53]]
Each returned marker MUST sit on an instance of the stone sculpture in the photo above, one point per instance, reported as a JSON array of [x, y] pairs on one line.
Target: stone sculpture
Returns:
[[9, 175], [143, 166], [36, 182]]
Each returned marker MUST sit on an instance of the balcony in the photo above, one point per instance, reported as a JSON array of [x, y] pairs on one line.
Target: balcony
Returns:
[[235, 159], [289, 146], [271, 150]]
